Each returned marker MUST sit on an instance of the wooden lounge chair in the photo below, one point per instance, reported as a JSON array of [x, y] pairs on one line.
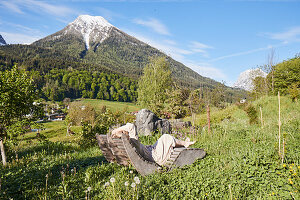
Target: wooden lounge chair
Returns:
[[126, 150], [103, 144]]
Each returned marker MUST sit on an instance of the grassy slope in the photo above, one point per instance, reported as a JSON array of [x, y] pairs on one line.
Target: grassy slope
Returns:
[[242, 162], [113, 105]]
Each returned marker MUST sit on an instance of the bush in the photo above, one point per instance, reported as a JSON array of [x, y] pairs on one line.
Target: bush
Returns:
[[252, 114]]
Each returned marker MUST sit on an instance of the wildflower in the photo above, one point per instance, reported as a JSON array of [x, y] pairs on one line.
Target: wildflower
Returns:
[[112, 180], [137, 180], [130, 171], [89, 189], [106, 184], [298, 167], [126, 183], [133, 185], [284, 165]]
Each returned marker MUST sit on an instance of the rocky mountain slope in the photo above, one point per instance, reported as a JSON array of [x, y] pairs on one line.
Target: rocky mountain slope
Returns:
[[2, 41], [91, 39], [245, 79]]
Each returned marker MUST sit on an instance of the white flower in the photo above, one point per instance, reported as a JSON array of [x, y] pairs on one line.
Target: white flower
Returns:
[[133, 185], [106, 184], [137, 180], [89, 189], [112, 180], [130, 171], [126, 183]]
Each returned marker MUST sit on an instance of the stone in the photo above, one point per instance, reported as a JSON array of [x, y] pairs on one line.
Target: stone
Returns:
[[147, 123], [180, 124]]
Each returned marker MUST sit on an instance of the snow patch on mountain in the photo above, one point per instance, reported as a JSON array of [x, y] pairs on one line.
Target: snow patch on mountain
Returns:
[[245, 79], [92, 28], [2, 41]]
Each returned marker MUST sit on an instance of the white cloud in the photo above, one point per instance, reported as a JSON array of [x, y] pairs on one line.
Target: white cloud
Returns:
[[198, 47], [246, 52], [19, 6], [24, 29], [11, 6], [154, 24], [48, 8], [171, 42], [206, 69], [291, 35], [15, 38]]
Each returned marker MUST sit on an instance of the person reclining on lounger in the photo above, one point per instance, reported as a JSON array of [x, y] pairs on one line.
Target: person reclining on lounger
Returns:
[[160, 151]]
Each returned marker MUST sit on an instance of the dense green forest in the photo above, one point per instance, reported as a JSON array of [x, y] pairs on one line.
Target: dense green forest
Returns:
[[58, 84]]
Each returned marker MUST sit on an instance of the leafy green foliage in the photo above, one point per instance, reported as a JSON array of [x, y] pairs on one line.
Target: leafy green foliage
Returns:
[[17, 95], [283, 77], [60, 84], [252, 113], [79, 113], [176, 103], [154, 85], [286, 74]]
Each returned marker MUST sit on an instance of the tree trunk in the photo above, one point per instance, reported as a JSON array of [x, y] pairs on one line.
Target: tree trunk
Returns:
[[279, 126], [2, 151], [208, 117]]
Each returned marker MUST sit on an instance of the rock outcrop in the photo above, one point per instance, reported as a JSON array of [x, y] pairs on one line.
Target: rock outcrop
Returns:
[[147, 123]]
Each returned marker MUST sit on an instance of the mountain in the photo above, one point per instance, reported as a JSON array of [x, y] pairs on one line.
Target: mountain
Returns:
[[2, 41], [91, 39], [245, 78]]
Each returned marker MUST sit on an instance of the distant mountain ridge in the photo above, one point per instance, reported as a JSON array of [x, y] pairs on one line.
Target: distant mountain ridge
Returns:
[[245, 79], [91, 39], [2, 41]]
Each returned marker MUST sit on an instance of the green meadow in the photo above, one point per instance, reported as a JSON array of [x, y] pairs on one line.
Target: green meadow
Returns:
[[242, 161], [112, 105]]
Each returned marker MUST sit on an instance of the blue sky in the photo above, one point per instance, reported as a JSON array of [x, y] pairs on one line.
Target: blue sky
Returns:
[[217, 39]]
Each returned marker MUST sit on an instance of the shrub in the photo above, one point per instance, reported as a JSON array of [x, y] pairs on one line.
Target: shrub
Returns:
[[252, 114]]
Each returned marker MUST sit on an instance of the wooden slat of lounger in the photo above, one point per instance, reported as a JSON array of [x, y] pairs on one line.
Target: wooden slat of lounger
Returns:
[[122, 160], [117, 148], [119, 152], [106, 151]]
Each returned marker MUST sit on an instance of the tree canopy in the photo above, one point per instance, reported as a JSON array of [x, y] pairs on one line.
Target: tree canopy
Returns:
[[155, 84], [17, 95]]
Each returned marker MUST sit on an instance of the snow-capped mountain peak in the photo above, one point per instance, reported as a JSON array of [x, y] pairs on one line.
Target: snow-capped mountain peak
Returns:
[[246, 78], [91, 22], [2, 41], [91, 28]]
